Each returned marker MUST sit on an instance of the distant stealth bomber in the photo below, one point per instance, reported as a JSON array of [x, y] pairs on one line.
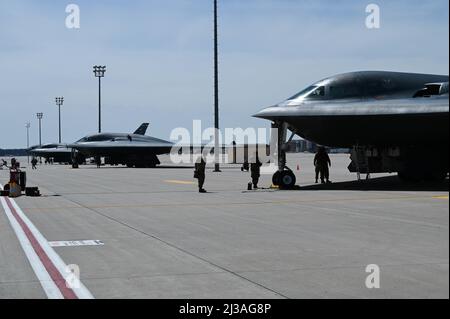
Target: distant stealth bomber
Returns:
[[132, 150]]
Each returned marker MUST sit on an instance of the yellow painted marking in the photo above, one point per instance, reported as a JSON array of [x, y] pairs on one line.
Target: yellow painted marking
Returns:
[[180, 182], [441, 197]]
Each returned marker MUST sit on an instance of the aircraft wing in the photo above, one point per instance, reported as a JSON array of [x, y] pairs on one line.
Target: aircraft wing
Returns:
[[49, 151], [106, 148]]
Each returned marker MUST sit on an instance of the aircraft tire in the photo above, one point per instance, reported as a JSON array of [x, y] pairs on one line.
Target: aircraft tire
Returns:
[[276, 178], [287, 180]]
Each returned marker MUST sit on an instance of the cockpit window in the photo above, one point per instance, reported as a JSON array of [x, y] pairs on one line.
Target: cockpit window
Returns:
[[49, 146], [312, 92], [95, 138], [304, 92], [317, 93]]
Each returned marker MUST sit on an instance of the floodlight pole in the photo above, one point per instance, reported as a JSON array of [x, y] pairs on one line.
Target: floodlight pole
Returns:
[[28, 125], [217, 148], [40, 116], [99, 72], [59, 103], [99, 104]]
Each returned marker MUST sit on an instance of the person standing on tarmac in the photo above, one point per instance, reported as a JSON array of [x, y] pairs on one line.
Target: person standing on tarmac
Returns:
[[98, 161], [200, 173], [255, 168], [34, 162], [322, 163]]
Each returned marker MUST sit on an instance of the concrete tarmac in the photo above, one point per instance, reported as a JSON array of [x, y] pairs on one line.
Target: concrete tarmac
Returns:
[[162, 239]]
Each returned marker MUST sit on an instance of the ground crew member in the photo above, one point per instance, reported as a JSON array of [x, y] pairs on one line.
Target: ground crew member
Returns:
[[98, 160], [322, 163], [34, 162], [199, 174], [255, 168]]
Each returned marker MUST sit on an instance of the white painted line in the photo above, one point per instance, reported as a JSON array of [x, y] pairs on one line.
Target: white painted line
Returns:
[[82, 292], [49, 286], [48, 266], [76, 243]]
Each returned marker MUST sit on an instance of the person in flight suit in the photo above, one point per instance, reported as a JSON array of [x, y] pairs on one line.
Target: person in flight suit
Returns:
[[255, 168], [199, 174], [322, 163]]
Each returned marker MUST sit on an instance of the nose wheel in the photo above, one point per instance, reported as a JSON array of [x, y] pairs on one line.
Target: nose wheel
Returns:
[[285, 179]]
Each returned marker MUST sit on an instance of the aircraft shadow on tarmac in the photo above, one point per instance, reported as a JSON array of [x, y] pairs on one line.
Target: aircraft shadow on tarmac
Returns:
[[147, 168], [389, 183], [157, 167]]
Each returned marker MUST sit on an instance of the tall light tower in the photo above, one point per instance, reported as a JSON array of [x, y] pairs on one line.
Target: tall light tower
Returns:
[[28, 125], [217, 148], [59, 103], [40, 115], [99, 72]]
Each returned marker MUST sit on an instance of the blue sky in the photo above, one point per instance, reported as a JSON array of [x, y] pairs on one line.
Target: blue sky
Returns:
[[159, 58]]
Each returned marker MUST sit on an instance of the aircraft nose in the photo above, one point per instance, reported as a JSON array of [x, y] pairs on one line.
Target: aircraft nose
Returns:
[[270, 113]]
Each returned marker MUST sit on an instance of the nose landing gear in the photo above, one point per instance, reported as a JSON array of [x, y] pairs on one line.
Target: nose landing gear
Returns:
[[284, 178]]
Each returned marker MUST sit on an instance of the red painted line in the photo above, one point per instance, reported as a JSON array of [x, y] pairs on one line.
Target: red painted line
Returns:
[[56, 276]]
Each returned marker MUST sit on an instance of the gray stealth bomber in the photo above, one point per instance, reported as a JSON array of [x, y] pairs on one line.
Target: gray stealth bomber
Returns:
[[132, 150], [64, 153], [389, 119]]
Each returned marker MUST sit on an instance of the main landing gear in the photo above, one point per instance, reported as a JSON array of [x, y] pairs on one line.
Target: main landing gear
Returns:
[[284, 178]]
